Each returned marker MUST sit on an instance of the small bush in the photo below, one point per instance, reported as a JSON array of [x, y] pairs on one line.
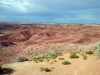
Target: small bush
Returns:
[[45, 69], [53, 54], [47, 59], [35, 60], [41, 60], [89, 52], [73, 55], [22, 59], [61, 59], [84, 57], [8, 69], [5, 70], [66, 62], [55, 60]]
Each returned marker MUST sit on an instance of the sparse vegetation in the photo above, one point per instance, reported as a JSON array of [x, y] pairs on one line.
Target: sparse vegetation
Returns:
[[54, 53], [47, 59], [89, 52], [84, 57], [66, 63], [61, 59], [6, 70], [55, 60], [41, 60], [35, 60], [45, 69], [51, 63], [35, 39], [98, 51], [22, 59], [51, 54], [73, 55]]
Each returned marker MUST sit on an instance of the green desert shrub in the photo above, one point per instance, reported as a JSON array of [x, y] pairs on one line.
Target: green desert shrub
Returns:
[[89, 52], [55, 60], [35, 60], [38, 58], [54, 53], [51, 54], [61, 59], [45, 69], [73, 55], [41, 60], [66, 63], [22, 59], [8, 69], [47, 59], [5, 70], [84, 57]]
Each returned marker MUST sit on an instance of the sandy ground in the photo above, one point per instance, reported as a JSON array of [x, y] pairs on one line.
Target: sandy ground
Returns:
[[78, 66]]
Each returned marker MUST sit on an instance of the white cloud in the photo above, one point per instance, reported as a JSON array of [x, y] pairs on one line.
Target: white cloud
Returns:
[[38, 6], [15, 6], [22, 6]]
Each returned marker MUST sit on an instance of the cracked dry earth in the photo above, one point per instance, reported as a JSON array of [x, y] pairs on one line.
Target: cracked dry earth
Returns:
[[78, 66]]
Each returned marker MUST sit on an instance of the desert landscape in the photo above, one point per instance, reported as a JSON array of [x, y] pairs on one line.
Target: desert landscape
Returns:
[[46, 48]]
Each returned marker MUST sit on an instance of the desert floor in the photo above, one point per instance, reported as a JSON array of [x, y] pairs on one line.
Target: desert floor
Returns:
[[78, 66]]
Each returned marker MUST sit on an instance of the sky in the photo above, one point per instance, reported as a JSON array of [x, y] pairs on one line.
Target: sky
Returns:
[[50, 11]]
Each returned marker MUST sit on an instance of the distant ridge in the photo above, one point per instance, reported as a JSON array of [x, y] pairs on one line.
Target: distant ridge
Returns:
[[45, 23]]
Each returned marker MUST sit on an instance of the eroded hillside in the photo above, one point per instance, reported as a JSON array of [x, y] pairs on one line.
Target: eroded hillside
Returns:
[[30, 40]]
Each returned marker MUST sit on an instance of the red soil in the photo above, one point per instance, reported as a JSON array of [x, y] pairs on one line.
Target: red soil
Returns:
[[51, 38], [73, 34]]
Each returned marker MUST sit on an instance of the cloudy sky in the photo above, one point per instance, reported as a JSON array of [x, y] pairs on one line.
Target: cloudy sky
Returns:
[[52, 11]]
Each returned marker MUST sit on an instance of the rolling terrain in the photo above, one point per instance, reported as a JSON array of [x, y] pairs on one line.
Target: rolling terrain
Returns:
[[32, 39]]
